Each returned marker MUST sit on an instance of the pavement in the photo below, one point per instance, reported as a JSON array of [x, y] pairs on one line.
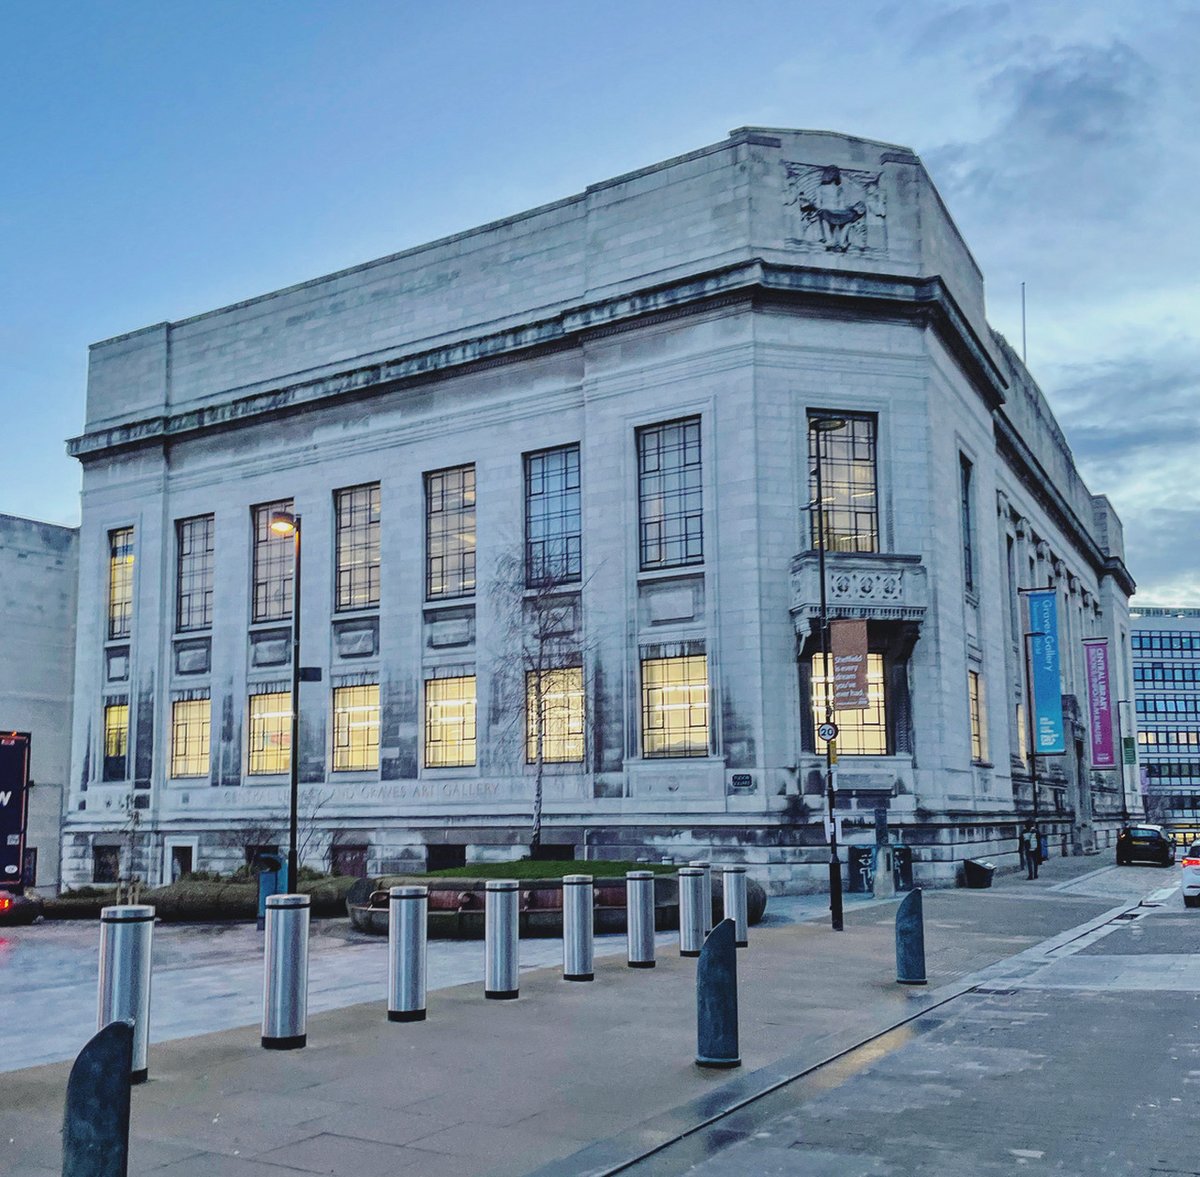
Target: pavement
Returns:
[[571, 1078]]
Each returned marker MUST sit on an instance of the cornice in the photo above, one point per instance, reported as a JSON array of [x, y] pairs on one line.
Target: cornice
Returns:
[[925, 301]]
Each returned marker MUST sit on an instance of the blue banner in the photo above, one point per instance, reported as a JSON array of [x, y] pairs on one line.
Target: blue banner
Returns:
[[1047, 683]]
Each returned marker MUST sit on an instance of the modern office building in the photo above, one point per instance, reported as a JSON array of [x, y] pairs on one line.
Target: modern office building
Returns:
[[554, 477], [1166, 691], [39, 570]]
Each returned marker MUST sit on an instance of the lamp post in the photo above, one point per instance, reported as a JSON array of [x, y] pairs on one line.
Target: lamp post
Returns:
[[1121, 762], [285, 523], [820, 426], [1029, 707]]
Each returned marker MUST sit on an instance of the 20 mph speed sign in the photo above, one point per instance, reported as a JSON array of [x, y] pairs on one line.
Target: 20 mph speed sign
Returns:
[[827, 731]]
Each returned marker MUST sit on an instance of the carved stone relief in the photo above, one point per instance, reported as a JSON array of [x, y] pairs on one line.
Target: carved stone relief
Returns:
[[835, 208]]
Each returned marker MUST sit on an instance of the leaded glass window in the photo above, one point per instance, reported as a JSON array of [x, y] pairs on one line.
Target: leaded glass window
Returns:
[[450, 532], [191, 729], [356, 728], [450, 722], [120, 582], [670, 494], [553, 548], [194, 573], [561, 691], [848, 483], [270, 743], [675, 706], [356, 547], [273, 564]]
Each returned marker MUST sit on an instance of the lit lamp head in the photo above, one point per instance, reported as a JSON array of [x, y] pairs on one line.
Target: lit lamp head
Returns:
[[284, 523]]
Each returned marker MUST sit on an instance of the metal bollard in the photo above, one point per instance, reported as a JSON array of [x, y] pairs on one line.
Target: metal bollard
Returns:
[[735, 903], [691, 916], [502, 939], [578, 924], [408, 920], [126, 936], [716, 1000], [95, 1133], [639, 918], [285, 973], [706, 907], [910, 940]]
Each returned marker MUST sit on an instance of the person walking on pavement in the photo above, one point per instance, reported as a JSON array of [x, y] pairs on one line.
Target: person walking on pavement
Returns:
[[1029, 843]]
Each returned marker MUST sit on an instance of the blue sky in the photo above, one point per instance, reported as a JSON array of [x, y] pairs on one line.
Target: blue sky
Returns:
[[162, 159]]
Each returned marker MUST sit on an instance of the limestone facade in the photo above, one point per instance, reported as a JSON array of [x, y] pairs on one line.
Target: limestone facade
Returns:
[[677, 329]]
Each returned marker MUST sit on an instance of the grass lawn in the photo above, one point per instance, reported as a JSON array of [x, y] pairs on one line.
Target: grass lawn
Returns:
[[528, 869]]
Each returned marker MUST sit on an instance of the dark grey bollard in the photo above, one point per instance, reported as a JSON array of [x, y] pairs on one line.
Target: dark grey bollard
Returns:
[[96, 1116], [910, 940], [716, 999]]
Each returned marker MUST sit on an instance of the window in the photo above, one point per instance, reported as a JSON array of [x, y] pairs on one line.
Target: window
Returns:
[[860, 733], [270, 733], [273, 565], [979, 746], [552, 517], [194, 573], [450, 722], [450, 532], [848, 483], [561, 715], [1022, 734], [675, 706], [120, 582], [106, 864], [968, 527], [356, 547], [356, 728], [191, 721], [116, 741], [670, 507]]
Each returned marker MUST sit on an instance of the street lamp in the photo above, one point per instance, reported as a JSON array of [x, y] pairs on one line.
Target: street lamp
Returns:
[[1029, 707], [1121, 761], [285, 523], [820, 426]]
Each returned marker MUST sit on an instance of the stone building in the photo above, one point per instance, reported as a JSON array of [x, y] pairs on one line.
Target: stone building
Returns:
[[561, 466], [39, 570], [1166, 696]]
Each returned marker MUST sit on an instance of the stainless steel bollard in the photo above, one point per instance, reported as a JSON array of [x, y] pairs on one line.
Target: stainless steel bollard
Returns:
[[639, 918], [285, 973], [735, 903], [502, 939], [706, 910], [408, 921], [577, 901], [126, 937], [691, 916]]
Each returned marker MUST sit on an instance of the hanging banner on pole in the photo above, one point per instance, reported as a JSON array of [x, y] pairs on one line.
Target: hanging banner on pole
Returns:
[[1047, 679], [1100, 719], [848, 645]]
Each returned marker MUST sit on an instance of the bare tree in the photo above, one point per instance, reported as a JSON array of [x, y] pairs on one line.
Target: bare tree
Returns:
[[541, 627]]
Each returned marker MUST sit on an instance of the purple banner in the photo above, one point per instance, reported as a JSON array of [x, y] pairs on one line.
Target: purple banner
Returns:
[[1100, 720]]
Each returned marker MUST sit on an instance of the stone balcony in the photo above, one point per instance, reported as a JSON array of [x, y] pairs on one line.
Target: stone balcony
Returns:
[[865, 586]]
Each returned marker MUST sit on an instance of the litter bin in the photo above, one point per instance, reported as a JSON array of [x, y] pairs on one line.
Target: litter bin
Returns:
[[268, 868], [978, 874]]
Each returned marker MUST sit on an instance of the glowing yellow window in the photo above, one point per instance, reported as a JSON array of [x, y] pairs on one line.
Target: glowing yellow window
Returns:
[[860, 733], [450, 722], [191, 727], [270, 733], [116, 741], [675, 706], [120, 582], [356, 728], [561, 693]]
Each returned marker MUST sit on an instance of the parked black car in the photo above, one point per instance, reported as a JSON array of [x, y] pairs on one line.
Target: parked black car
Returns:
[[18, 909], [1145, 844]]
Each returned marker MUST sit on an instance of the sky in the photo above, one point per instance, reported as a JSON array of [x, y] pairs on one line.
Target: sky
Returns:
[[162, 159]]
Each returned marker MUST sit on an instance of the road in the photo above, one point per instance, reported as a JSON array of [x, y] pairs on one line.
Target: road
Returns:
[[1080, 1059]]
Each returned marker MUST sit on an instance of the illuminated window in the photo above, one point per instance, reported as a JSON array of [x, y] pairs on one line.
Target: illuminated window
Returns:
[[553, 552], [675, 706], [356, 728], [120, 582], [1022, 734], [116, 741], [562, 714], [450, 532], [191, 721], [979, 745], [194, 573], [270, 733], [273, 557], [848, 483], [860, 733], [356, 546], [670, 494], [449, 722]]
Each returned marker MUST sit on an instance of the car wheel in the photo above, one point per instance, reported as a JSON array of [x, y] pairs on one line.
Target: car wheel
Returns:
[[1122, 862], [1191, 901]]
